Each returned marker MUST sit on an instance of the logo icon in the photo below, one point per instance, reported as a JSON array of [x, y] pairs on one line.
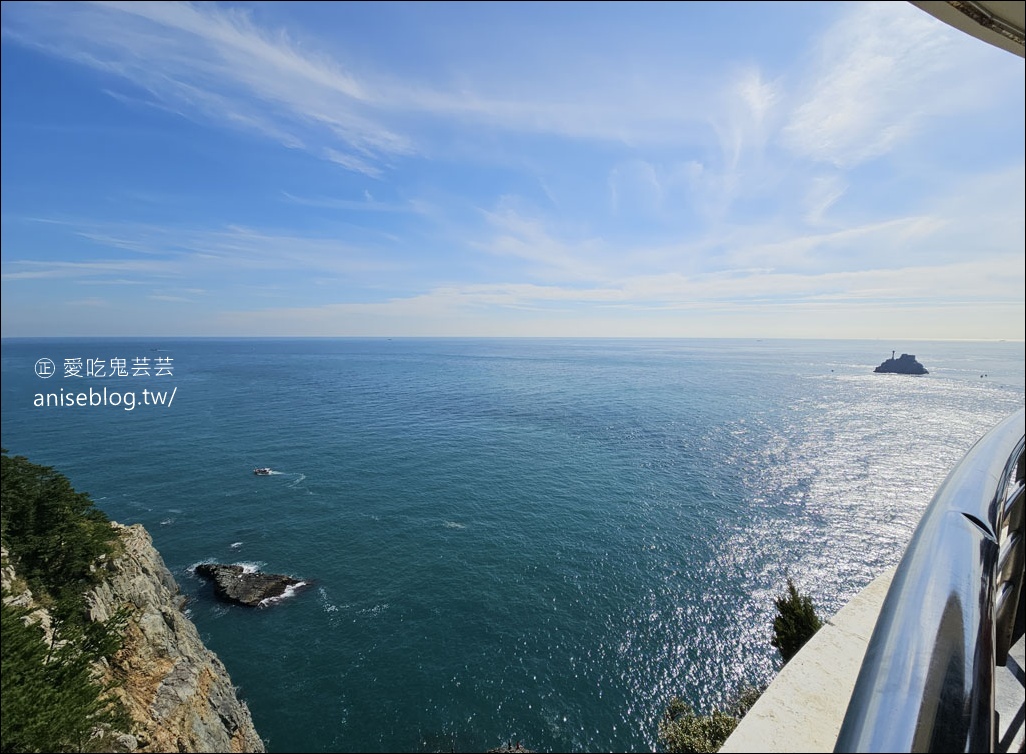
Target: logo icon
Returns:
[[45, 368]]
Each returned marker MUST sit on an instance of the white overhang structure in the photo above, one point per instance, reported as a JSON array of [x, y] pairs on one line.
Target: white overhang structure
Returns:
[[996, 23]]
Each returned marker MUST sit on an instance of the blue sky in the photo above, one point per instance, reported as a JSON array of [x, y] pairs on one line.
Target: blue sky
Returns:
[[821, 170]]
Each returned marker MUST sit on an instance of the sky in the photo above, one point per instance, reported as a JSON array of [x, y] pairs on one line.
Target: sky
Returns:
[[713, 169]]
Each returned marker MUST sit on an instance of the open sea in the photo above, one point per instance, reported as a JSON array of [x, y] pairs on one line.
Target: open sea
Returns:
[[506, 540]]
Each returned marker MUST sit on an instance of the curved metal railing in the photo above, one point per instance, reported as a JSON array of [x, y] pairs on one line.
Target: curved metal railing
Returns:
[[954, 609]]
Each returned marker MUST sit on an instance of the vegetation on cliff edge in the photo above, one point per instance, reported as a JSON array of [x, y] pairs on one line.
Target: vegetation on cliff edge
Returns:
[[56, 540], [682, 729], [795, 623]]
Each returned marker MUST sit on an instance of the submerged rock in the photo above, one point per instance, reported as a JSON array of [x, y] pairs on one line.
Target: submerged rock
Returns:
[[235, 584], [906, 364]]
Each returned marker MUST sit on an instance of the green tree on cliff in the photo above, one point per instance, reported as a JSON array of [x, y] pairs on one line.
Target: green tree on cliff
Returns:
[[795, 623]]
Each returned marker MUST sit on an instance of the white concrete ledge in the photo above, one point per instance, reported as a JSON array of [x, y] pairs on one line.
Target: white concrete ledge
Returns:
[[804, 706]]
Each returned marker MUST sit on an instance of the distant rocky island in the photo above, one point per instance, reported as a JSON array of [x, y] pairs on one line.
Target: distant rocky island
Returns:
[[906, 364]]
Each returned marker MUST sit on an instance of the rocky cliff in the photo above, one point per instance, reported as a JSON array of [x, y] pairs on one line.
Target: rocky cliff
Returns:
[[177, 692]]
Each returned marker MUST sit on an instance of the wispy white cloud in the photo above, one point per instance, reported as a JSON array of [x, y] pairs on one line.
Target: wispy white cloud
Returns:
[[878, 74], [635, 185], [749, 105], [744, 116], [170, 298], [822, 192], [979, 217], [28, 269], [830, 305], [174, 251], [367, 204], [90, 302], [216, 65], [986, 280], [523, 237], [868, 86], [351, 162]]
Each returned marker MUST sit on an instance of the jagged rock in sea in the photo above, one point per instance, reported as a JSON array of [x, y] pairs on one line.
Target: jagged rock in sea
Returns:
[[177, 691], [245, 587], [906, 364]]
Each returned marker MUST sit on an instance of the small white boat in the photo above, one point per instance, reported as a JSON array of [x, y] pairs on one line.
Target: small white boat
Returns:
[[265, 471]]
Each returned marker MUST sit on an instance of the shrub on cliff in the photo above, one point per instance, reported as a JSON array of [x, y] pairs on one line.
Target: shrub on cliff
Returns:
[[795, 623], [683, 730]]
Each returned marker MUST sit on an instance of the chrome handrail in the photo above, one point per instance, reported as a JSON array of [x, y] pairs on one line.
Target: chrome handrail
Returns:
[[953, 609]]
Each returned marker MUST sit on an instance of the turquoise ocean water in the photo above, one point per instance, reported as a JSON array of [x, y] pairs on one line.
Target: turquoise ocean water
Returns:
[[509, 540]]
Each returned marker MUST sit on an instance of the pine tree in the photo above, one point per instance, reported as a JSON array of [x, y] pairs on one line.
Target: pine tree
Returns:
[[795, 623]]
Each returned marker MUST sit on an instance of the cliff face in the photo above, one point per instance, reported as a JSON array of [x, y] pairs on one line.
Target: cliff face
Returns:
[[176, 690]]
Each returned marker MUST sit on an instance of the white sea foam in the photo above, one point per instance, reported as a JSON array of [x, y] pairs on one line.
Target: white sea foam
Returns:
[[236, 545], [328, 606], [289, 592], [247, 567]]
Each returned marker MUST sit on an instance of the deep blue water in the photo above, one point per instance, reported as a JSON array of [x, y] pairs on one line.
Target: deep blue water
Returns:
[[511, 540]]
